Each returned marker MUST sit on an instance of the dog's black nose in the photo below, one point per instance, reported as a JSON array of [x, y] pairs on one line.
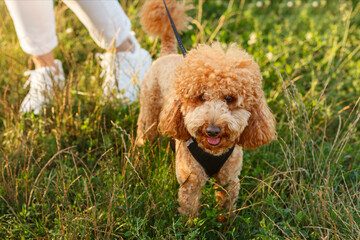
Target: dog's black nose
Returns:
[[212, 130]]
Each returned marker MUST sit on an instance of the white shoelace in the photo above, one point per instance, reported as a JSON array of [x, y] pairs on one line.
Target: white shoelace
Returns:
[[36, 80], [123, 71], [106, 64]]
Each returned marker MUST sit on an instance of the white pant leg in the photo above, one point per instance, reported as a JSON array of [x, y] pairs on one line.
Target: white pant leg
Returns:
[[105, 20], [34, 24]]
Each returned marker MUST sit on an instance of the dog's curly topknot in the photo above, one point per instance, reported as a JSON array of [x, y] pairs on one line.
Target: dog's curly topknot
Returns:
[[155, 20]]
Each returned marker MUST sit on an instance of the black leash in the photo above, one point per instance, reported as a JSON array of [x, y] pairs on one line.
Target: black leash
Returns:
[[181, 45], [211, 164]]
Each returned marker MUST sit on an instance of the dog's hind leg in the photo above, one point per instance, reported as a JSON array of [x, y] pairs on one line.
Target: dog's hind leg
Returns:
[[151, 103]]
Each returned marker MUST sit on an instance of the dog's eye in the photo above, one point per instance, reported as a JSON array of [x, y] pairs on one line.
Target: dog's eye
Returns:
[[201, 98], [229, 99]]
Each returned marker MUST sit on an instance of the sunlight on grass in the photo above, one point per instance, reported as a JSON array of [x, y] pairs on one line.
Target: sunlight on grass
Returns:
[[74, 171]]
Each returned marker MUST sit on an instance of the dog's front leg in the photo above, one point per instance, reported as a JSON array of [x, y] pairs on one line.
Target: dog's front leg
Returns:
[[191, 178], [190, 194], [228, 194], [228, 179]]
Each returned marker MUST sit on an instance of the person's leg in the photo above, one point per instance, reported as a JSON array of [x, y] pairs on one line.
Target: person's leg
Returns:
[[125, 46], [105, 20], [35, 27], [110, 28], [45, 60]]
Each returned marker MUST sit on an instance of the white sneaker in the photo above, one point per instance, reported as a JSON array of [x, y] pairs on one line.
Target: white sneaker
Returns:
[[124, 71], [42, 82]]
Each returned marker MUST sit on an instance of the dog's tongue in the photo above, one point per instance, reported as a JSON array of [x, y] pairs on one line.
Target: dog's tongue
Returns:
[[213, 141]]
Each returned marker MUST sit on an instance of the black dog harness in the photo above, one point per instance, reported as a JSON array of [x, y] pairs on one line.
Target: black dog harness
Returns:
[[210, 163]]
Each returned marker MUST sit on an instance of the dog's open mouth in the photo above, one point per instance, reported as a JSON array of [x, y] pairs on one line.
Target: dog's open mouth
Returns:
[[213, 141]]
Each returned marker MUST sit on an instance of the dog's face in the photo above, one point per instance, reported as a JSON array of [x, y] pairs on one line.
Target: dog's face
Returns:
[[215, 119], [218, 100]]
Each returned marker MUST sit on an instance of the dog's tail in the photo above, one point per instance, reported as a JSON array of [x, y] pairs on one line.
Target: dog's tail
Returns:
[[155, 20]]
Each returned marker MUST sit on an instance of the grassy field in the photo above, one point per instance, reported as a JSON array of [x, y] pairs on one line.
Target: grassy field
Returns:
[[74, 173]]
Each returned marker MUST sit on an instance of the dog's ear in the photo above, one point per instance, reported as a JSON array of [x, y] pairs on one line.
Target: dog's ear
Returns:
[[172, 120], [261, 127]]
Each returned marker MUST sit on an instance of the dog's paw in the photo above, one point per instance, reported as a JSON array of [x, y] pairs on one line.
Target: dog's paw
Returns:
[[222, 218], [140, 142]]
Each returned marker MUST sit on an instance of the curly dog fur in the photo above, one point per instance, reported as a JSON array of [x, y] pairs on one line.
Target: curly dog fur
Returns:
[[210, 87]]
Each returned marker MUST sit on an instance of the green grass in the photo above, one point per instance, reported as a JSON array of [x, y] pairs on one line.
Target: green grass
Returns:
[[74, 173]]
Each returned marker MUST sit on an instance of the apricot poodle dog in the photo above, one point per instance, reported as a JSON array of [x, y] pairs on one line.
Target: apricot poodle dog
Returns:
[[211, 97]]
